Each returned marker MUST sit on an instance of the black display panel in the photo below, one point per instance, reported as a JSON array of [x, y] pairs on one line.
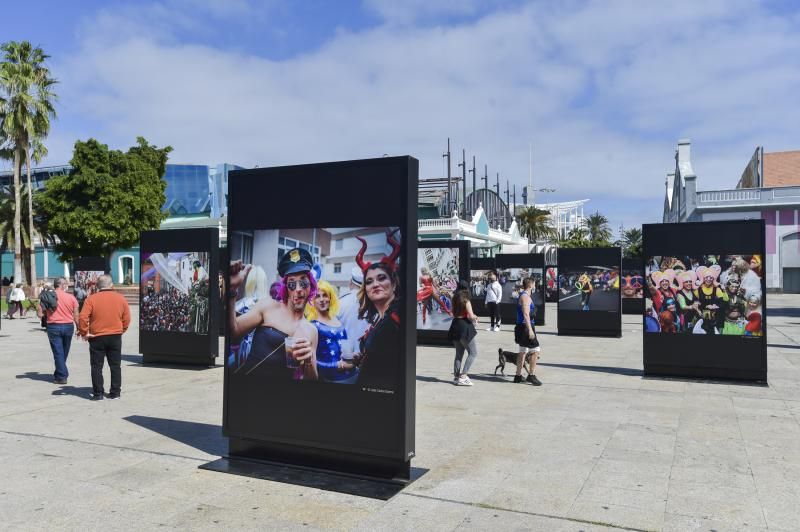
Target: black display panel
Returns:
[[705, 300], [588, 292], [551, 283], [179, 296], [440, 265], [512, 268], [632, 285], [479, 270], [311, 413]]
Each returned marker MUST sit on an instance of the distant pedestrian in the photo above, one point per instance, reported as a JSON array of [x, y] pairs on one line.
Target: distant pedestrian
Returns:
[[104, 319], [16, 299], [10, 306], [80, 295], [525, 334], [462, 333], [61, 321], [494, 292]]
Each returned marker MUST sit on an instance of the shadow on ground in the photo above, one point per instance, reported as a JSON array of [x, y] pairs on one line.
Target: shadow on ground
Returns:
[[36, 376], [203, 437], [84, 392], [786, 312], [138, 360], [784, 346], [602, 369]]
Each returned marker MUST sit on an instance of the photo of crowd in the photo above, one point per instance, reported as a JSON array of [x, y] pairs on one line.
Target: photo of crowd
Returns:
[[478, 281], [589, 288], [87, 281], [510, 280], [175, 292], [707, 294], [631, 285], [437, 279], [319, 305]]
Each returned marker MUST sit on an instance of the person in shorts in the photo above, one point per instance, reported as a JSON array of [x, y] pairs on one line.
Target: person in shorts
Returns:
[[525, 334]]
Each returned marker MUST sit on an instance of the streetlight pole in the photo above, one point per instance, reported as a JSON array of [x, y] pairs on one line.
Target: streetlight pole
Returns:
[[449, 182]]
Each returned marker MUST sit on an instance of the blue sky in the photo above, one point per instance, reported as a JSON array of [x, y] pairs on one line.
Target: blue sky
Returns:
[[602, 90]]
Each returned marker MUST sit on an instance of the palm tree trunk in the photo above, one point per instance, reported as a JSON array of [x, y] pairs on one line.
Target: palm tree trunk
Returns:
[[19, 276], [31, 234]]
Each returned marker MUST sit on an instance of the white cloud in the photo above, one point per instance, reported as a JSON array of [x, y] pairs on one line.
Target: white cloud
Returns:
[[603, 90]]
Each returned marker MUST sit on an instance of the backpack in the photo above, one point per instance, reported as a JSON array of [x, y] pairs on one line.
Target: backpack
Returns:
[[49, 300]]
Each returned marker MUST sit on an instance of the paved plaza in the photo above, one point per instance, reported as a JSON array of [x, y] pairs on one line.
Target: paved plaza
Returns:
[[597, 447]]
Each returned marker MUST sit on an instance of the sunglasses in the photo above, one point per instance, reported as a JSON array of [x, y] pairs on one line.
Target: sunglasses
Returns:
[[634, 281], [292, 285]]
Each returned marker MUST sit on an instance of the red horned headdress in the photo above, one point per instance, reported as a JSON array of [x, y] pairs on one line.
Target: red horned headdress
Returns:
[[389, 260]]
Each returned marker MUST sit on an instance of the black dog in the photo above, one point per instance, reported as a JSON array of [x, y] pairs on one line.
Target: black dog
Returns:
[[510, 357]]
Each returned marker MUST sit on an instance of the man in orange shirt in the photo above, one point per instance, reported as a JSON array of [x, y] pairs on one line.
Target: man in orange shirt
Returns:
[[61, 324], [104, 318]]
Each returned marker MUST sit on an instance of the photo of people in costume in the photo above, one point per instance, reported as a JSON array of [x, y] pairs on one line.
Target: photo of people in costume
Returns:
[[478, 281], [316, 305], [588, 288], [631, 285], [437, 279], [551, 284], [174, 292], [708, 294]]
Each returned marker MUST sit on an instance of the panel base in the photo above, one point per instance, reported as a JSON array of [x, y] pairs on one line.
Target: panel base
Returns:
[[187, 360], [583, 332]]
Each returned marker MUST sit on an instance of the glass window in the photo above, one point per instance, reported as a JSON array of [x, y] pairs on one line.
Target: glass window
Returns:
[[339, 244], [337, 267]]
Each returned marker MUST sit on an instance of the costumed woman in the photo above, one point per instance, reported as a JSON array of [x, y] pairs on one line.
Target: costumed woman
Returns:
[[688, 302], [710, 296], [379, 304], [334, 351], [661, 289], [584, 286], [462, 334], [429, 292], [730, 318]]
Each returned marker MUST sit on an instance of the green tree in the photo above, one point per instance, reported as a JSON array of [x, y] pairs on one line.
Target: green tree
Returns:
[[107, 199], [577, 237], [536, 224], [599, 232], [631, 242], [7, 211], [26, 107]]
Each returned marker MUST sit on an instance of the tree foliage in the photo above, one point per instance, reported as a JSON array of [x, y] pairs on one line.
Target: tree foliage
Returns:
[[631, 242], [576, 238], [599, 232], [107, 199], [536, 224]]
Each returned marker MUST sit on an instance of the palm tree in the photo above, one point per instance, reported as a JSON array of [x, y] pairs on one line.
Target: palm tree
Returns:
[[632, 242], [536, 224], [598, 228], [7, 232], [26, 107]]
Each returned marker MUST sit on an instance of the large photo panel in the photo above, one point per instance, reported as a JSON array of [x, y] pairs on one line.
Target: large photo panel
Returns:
[[512, 269], [441, 264], [589, 291], [179, 295], [320, 298], [705, 294]]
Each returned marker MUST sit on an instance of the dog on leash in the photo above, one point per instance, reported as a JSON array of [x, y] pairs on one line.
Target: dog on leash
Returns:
[[510, 357]]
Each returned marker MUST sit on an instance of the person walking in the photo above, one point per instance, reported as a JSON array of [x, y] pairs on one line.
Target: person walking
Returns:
[[493, 294], [525, 334], [104, 319], [16, 301], [60, 321], [10, 306], [462, 333]]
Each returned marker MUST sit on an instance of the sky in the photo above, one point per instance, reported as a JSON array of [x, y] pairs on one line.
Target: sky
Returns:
[[598, 91]]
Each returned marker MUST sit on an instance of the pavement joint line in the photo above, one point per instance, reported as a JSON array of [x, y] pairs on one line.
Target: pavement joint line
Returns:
[[106, 445], [750, 466], [534, 514]]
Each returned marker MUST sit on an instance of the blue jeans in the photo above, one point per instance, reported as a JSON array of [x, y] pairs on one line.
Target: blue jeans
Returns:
[[60, 336]]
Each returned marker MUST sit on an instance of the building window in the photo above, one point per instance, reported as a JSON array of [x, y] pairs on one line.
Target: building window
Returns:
[[285, 244], [339, 244], [337, 267]]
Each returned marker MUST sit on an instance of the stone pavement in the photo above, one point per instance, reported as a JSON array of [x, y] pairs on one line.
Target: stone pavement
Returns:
[[597, 447]]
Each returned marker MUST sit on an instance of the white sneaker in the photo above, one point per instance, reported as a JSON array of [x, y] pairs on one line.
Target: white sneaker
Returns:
[[489, 328], [496, 328], [464, 381]]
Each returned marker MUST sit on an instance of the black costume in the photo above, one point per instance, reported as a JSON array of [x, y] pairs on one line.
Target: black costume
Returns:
[[267, 354], [380, 347]]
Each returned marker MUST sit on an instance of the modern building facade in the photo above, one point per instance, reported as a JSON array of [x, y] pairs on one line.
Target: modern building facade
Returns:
[[769, 188]]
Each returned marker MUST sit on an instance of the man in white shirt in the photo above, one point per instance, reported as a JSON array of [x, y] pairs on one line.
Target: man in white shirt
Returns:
[[493, 293]]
